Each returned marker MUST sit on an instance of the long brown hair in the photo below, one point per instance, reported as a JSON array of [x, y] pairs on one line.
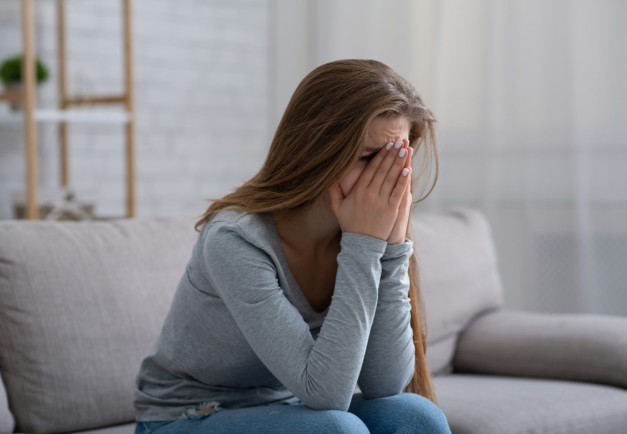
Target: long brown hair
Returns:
[[317, 141]]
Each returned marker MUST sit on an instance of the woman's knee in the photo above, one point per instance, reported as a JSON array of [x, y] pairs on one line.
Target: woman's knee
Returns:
[[418, 410], [336, 421], [283, 419], [405, 412]]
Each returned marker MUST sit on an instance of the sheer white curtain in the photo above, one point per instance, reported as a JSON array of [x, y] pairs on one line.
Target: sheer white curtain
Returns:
[[531, 99]]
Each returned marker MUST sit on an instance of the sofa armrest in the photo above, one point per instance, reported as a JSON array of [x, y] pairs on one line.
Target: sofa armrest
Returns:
[[591, 348]]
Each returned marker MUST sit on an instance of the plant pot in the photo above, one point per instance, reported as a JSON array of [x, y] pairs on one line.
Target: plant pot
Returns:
[[16, 89]]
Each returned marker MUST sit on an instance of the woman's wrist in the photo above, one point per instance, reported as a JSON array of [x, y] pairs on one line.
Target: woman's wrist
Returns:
[[398, 251]]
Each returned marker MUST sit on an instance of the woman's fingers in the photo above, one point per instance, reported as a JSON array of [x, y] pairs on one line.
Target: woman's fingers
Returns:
[[405, 178], [373, 166], [409, 157], [399, 231], [401, 186], [372, 207], [396, 170], [388, 163]]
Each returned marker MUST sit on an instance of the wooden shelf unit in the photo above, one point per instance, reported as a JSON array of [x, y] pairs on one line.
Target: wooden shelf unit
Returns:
[[64, 115]]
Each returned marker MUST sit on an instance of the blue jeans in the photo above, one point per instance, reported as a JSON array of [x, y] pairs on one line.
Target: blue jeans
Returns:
[[403, 413]]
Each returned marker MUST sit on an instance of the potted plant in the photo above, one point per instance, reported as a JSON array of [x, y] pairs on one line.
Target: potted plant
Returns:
[[11, 75]]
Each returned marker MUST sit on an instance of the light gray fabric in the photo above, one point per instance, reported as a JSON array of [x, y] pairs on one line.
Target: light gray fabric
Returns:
[[477, 404], [6, 418], [80, 304], [440, 355], [241, 333], [459, 276], [589, 348]]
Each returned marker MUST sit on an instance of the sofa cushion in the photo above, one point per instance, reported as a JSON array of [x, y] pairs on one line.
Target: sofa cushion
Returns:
[[6, 418], [80, 305], [481, 404], [459, 276], [576, 347]]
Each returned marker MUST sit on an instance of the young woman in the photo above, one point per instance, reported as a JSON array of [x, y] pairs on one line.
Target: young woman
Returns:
[[303, 284]]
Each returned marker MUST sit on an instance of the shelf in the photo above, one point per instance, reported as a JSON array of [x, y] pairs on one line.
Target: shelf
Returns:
[[83, 109], [74, 116]]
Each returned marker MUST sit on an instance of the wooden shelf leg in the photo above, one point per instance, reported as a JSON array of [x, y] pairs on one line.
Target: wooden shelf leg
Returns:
[[30, 126], [64, 169], [130, 107]]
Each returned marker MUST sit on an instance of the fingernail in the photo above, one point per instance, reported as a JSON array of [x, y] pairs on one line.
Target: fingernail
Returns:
[[405, 172], [398, 144], [388, 146], [402, 153]]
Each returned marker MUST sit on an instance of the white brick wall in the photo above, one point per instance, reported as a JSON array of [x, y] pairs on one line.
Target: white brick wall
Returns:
[[201, 74]]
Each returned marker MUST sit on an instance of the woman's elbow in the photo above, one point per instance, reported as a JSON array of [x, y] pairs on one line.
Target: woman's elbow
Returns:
[[383, 386], [380, 392]]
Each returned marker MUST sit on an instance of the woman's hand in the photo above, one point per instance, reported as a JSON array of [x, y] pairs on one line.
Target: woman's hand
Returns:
[[399, 230], [372, 206]]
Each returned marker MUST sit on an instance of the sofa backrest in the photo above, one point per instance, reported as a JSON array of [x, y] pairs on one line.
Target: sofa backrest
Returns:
[[459, 276], [80, 305]]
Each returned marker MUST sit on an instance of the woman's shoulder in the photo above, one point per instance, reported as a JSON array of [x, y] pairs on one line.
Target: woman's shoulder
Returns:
[[256, 228]]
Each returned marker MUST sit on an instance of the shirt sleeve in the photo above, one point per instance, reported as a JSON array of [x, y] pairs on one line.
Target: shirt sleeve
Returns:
[[389, 360], [322, 373]]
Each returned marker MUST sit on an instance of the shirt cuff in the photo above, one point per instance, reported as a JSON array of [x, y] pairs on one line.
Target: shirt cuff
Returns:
[[394, 251], [362, 241]]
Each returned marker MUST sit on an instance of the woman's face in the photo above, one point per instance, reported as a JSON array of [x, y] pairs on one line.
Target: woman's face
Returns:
[[380, 132]]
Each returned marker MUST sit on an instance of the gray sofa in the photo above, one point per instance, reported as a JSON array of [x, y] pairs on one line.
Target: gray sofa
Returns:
[[81, 304]]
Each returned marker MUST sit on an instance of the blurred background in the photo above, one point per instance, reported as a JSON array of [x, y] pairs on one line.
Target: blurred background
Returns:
[[530, 96]]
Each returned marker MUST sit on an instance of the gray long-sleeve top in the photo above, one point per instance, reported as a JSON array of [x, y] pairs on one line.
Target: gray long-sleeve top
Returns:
[[241, 333]]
